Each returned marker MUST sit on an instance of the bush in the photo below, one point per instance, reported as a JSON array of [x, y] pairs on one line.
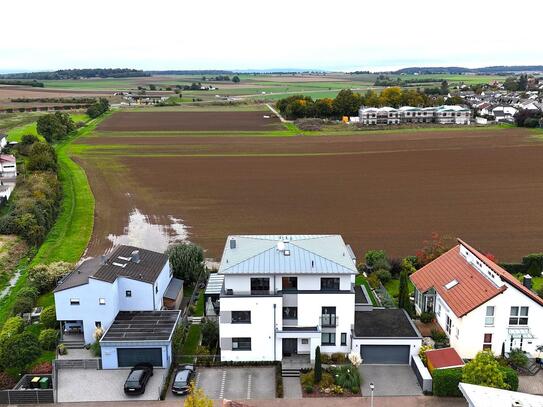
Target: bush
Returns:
[[48, 339], [427, 317], [186, 260], [202, 350], [510, 377], [48, 317], [375, 257], [210, 334], [6, 381], [29, 292], [517, 358], [327, 380], [336, 389], [307, 379], [439, 336], [373, 281], [484, 370], [42, 157], [308, 388], [326, 358], [18, 351], [383, 275], [395, 266], [46, 277], [96, 350], [42, 368], [347, 376], [338, 358], [445, 382], [28, 140], [12, 326], [422, 354], [22, 305], [62, 350]]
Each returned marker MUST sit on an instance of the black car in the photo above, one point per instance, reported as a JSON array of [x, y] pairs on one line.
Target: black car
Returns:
[[182, 377], [138, 378]]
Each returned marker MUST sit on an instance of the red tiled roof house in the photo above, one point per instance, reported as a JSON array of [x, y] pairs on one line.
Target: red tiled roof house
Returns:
[[479, 304]]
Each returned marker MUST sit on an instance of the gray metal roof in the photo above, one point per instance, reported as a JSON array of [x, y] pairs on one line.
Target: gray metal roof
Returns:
[[214, 284], [80, 275], [284, 254], [174, 288], [142, 326]]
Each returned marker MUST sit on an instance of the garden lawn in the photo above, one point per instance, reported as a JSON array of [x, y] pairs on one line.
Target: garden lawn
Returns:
[[192, 341], [199, 311], [361, 280], [537, 284], [393, 287]]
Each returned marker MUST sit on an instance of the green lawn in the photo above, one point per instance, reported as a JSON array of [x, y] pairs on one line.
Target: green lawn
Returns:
[[16, 133], [537, 283], [192, 341], [393, 287], [361, 280], [200, 304], [71, 233]]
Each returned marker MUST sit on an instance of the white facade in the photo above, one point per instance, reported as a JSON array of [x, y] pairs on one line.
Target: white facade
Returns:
[[8, 166], [409, 114], [304, 299], [97, 302], [509, 320]]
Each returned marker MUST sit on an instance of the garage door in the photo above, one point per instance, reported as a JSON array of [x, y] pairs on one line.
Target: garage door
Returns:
[[385, 354], [128, 357]]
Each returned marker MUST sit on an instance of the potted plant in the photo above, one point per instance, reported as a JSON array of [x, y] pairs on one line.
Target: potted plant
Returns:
[[539, 349]]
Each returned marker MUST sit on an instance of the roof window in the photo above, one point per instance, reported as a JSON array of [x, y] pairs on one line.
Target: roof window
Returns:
[[450, 285]]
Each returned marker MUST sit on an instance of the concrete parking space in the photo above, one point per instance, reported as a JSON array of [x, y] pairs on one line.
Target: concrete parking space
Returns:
[[531, 384], [234, 383], [389, 380], [76, 385]]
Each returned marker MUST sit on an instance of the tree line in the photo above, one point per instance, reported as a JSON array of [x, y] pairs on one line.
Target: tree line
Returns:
[[347, 102], [32, 83], [79, 73]]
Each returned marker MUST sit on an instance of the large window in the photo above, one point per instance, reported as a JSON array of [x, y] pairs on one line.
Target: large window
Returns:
[[487, 342], [489, 317], [518, 316], [241, 343], [241, 317], [329, 284], [289, 283], [290, 312], [328, 339], [260, 285]]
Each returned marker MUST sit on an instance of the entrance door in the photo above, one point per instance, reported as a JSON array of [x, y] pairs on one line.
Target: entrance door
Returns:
[[290, 346]]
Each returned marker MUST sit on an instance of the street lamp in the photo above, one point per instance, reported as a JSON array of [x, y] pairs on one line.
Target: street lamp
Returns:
[[372, 387]]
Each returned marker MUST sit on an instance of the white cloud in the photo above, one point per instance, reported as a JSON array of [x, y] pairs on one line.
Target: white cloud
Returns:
[[346, 34]]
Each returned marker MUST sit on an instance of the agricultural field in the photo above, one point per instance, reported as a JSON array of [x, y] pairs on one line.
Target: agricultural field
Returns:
[[386, 190]]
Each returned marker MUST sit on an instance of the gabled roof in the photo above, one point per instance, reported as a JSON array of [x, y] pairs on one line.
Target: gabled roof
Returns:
[[472, 290], [300, 254], [121, 263]]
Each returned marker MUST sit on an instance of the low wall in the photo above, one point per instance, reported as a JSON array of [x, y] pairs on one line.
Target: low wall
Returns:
[[93, 363], [423, 375], [22, 394]]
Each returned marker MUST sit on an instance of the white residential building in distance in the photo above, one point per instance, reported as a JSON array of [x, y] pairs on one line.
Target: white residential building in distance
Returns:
[[408, 114], [479, 304], [283, 296]]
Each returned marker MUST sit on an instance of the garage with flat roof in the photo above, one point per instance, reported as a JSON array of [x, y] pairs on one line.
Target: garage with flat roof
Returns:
[[139, 337], [385, 337]]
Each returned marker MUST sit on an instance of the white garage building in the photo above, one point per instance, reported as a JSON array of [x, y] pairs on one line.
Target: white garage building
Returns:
[[138, 337]]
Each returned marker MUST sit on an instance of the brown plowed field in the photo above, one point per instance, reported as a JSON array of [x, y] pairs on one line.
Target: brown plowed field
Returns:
[[387, 191], [190, 121]]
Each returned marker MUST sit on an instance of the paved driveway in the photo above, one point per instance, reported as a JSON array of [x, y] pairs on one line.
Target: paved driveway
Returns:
[[389, 380], [531, 384], [234, 383], [102, 385]]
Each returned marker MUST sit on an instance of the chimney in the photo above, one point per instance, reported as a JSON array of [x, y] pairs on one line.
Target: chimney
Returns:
[[232, 243], [135, 256], [527, 281]]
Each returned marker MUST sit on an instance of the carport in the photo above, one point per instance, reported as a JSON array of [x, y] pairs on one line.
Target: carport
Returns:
[[385, 337]]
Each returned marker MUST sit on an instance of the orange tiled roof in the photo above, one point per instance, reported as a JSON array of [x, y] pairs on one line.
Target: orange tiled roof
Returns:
[[472, 290]]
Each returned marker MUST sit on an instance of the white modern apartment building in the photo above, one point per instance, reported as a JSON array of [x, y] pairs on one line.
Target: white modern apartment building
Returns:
[[286, 295], [479, 304], [282, 296], [408, 114]]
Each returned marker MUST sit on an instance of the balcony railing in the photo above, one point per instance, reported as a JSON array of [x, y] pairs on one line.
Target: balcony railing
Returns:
[[329, 320]]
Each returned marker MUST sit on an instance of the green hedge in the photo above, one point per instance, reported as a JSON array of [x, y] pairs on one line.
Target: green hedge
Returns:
[[531, 264], [511, 377], [445, 382]]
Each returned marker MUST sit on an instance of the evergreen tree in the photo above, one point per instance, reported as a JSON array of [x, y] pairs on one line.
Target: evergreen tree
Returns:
[[318, 367]]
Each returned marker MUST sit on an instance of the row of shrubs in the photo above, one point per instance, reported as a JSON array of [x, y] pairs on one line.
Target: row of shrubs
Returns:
[[334, 381], [531, 264]]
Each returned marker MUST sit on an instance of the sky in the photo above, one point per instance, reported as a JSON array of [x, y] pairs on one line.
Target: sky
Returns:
[[340, 35]]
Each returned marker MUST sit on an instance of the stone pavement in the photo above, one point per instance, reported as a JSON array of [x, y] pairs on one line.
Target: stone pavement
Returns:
[[292, 389], [531, 384]]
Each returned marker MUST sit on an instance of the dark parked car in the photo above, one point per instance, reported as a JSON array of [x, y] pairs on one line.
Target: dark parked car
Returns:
[[138, 378], [182, 377]]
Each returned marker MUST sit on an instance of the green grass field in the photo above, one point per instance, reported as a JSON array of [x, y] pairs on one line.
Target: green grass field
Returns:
[[192, 341], [71, 233], [17, 133], [361, 280]]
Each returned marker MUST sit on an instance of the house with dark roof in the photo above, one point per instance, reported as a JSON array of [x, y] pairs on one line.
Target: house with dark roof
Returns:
[[479, 304], [129, 279]]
